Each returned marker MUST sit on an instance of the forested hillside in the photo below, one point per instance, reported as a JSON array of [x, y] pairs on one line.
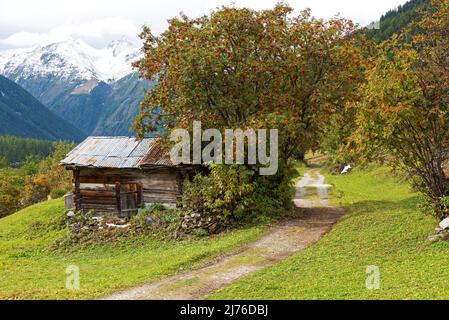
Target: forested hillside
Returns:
[[395, 20], [34, 180], [23, 115], [121, 106], [15, 149]]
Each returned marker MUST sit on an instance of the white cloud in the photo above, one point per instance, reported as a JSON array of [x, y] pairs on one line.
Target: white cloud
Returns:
[[24, 22], [94, 31]]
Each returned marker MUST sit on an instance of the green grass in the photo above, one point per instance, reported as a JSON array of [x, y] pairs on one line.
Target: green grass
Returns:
[[30, 269], [300, 168], [382, 228]]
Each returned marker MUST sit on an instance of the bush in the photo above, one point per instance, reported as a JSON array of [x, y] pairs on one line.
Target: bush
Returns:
[[82, 221], [156, 219], [33, 193], [57, 193], [275, 193], [222, 193], [234, 194]]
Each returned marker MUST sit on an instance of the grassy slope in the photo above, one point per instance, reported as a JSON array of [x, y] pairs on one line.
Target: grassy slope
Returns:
[[30, 269], [384, 228]]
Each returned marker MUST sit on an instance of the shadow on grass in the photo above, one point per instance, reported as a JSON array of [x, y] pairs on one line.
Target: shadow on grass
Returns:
[[314, 165], [380, 206]]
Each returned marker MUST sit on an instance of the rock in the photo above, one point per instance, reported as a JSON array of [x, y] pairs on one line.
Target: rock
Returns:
[[444, 224], [150, 221], [70, 214], [434, 238], [441, 235], [444, 235], [123, 226], [213, 227]]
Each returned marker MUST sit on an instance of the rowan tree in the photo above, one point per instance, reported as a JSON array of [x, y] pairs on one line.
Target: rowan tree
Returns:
[[404, 112], [240, 68]]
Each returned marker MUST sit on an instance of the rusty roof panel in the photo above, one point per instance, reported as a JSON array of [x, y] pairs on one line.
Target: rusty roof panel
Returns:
[[156, 156], [117, 152], [142, 148]]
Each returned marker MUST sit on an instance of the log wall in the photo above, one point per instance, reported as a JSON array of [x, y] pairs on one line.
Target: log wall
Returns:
[[121, 190]]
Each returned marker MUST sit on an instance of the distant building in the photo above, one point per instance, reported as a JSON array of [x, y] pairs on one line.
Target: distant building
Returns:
[[119, 174]]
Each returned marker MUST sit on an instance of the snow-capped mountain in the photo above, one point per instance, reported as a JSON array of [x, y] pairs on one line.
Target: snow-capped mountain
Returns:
[[71, 60], [96, 90]]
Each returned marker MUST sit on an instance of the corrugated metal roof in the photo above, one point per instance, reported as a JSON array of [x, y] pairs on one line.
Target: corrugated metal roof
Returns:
[[117, 152], [156, 155]]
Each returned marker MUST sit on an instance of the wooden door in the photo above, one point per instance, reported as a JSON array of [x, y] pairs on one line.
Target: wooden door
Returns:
[[130, 199]]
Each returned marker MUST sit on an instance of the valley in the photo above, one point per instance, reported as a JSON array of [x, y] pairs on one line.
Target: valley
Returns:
[[22, 115], [95, 90]]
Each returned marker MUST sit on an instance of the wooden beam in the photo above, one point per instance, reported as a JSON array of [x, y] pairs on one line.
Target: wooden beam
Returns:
[[76, 189], [106, 179], [98, 193], [118, 197], [139, 195]]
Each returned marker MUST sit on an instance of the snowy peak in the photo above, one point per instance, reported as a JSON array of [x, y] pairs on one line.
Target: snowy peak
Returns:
[[120, 46], [71, 60], [115, 61]]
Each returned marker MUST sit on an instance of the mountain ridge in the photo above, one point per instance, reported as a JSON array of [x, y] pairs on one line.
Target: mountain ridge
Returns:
[[95, 90], [395, 20], [22, 115], [72, 59]]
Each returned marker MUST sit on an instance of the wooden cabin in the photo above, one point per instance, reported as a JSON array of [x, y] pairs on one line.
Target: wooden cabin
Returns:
[[119, 174]]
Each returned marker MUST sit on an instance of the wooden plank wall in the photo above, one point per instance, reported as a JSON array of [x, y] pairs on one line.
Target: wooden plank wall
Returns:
[[97, 187], [98, 197]]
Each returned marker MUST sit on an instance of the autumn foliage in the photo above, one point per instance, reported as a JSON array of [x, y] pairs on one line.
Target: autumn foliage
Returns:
[[404, 110], [320, 83], [240, 68]]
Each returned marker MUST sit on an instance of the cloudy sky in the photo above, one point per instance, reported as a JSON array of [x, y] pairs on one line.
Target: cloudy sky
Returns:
[[24, 23]]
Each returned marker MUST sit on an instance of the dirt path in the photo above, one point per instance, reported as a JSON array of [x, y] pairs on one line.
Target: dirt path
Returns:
[[279, 243], [311, 191]]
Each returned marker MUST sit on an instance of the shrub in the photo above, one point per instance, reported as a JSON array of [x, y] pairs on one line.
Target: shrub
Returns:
[[234, 194], [153, 212], [34, 180], [222, 193], [157, 220], [81, 220], [57, 193], [33, 193]]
